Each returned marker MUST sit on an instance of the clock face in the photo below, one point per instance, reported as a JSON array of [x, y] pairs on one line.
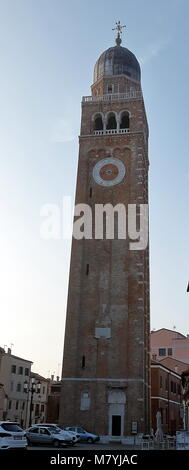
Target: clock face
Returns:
[[109, 171]]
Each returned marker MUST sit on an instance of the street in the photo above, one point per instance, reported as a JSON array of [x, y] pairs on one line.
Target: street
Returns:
[[84, 446]]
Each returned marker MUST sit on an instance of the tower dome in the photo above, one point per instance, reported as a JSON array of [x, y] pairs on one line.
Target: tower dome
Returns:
[[117, 60]]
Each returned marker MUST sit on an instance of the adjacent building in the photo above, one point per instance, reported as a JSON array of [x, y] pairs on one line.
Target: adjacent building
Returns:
[[166, 342], [14, 371], [3, 396], [3, 402], [37, 407], [166, 397], [185, 388], [19, 401], [53, 403]]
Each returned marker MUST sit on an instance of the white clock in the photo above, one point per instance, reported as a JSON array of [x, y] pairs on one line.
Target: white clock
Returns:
[[109, 171]]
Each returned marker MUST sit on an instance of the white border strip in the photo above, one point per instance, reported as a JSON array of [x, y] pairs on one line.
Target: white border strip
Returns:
[[166, 369], [166, 399]]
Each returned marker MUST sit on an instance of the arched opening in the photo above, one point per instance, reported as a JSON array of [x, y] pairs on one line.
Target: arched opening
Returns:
[[110, 89], [98, 124], [124, 124], [112, 123]]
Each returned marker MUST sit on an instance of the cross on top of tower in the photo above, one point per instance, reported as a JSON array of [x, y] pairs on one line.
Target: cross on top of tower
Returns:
[[118, 28]]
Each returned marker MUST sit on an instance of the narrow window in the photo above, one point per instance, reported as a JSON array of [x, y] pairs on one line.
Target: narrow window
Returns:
[[124, 121], [170, 352], [161, 381], [37, 409], [166, 384], [112, 123], [110, 89], [83, 362], [90, 192], [166, 415], [17, 404], [85, 401], [87, 269], [162, 352], [98, 124]]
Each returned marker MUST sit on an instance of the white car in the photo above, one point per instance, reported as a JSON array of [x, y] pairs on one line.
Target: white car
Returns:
[[12, 436], [40, 435], [55, 429], [74, 434]]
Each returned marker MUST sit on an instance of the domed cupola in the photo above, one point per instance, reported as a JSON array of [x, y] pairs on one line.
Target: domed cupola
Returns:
[[117, 60]]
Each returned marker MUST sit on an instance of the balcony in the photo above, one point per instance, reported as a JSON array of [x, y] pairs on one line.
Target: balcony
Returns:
[[113, 97], [112, 131]]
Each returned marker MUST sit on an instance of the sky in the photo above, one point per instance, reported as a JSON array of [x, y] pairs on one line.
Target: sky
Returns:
[[48, 49]]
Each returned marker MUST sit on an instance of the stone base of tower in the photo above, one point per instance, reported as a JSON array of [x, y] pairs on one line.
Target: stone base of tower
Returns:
[[111, 409]]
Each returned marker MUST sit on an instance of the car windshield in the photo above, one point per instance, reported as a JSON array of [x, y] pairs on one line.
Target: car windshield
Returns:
[[11, 427]]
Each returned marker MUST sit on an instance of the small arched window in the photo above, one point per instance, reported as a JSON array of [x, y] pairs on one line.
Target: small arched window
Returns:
[[98, 124], [112, 123], [124, 124], [110, 89]]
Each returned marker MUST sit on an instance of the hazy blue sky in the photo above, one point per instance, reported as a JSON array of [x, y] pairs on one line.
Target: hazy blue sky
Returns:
[[48, 49]]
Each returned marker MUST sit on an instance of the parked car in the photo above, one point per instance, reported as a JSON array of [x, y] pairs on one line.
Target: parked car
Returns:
[[55, 428], [12, 435], [45, 436], [84, 435], [74, 434]]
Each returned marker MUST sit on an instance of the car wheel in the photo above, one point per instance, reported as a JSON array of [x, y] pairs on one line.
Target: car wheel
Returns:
[[56, 443], [90, 440]]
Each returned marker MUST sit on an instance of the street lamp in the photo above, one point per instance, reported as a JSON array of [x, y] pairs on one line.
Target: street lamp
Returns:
[[35, 388]]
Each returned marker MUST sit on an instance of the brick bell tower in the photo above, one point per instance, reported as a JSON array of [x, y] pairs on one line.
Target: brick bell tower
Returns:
[[106, 365]]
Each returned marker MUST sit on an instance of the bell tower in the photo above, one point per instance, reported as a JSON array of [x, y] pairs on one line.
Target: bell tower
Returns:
[[106, 364]]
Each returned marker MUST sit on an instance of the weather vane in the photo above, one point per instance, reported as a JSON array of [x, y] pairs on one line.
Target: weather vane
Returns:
[[118, 28]]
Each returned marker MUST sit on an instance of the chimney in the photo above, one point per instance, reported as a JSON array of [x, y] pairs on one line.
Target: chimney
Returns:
[[9, 351], [52, 377], [57, 378]]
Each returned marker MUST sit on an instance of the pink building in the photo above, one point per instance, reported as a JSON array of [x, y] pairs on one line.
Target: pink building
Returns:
[[166, 342]]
